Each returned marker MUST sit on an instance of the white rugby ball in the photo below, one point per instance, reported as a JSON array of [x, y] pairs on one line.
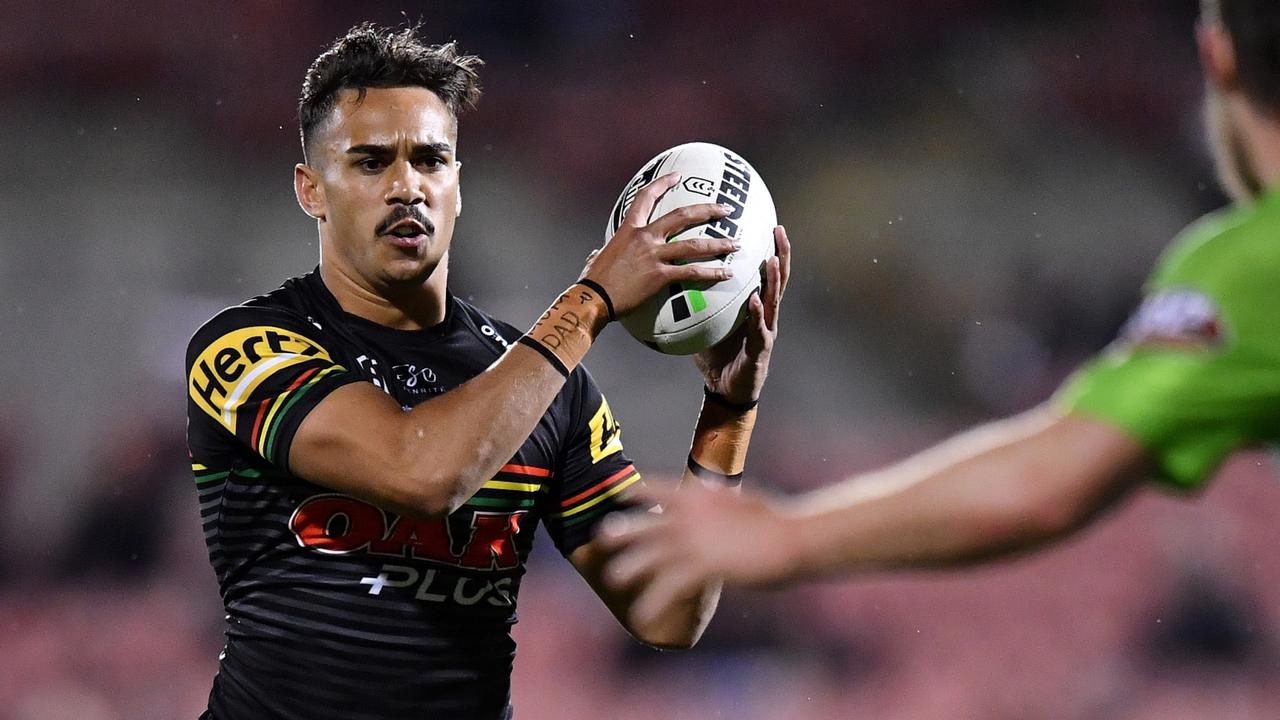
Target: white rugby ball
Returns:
[[685, 318]]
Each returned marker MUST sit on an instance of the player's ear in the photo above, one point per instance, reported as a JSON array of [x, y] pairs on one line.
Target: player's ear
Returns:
[[308, 190], [457, 210], [1217, 55]]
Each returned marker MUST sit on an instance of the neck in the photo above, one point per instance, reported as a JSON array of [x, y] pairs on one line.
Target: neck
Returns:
[[412, 306], [1261, 135]]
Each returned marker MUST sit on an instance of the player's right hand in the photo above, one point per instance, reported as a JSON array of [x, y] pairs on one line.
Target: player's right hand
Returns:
[[638, 261]]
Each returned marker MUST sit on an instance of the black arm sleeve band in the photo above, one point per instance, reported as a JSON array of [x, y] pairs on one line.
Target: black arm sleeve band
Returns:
[[542, 350]]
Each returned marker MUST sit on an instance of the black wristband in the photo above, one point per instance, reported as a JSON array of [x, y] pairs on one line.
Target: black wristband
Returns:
[[703, 473], [726, 403], [556, 362], [608, 302]]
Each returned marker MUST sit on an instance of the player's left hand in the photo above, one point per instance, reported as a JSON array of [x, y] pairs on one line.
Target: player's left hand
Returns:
[[702, 534], [736, 367]]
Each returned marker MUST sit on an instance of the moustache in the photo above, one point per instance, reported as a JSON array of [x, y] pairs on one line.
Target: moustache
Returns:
[[405, 212]]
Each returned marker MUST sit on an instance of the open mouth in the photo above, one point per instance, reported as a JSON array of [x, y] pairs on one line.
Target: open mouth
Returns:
[[406, 233]]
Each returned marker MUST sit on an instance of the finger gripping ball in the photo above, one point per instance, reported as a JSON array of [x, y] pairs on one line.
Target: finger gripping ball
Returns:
[[685, 318]]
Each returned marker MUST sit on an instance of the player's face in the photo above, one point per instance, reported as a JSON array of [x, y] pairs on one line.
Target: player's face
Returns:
[[387, 177]]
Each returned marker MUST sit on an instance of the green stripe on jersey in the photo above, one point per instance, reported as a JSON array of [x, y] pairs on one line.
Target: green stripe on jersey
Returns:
[[502, 502], [211, 477], [269, 450]]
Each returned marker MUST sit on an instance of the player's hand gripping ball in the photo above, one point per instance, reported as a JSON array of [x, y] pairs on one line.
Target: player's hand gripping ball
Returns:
[[686, 318]]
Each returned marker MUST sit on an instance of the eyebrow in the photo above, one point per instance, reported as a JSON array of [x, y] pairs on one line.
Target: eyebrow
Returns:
[[438, 148]]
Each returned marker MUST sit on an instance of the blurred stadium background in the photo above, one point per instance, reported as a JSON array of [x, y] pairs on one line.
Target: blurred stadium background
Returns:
[[975, 190]]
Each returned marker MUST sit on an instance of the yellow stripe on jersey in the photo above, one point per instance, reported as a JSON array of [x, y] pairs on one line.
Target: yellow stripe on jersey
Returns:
[[279, 403], [518, 487], [600, 498], [230, 368]]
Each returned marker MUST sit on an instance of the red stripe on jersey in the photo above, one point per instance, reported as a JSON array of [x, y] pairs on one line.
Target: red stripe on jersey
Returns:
[[265, 401], [526, 470], [257, 423], [301, 379], [624, 472]]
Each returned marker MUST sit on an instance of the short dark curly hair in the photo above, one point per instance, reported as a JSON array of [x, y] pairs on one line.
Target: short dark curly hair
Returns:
[[370, 56], [1254, 27]]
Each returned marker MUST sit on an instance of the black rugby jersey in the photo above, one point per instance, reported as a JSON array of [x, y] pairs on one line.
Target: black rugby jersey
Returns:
[[337, 608]]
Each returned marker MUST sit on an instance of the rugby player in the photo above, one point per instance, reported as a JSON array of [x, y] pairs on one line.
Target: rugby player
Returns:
[[1194, 376], [373, 455]]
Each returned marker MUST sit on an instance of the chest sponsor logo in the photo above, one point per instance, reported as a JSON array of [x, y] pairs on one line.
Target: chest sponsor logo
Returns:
[[336, 524], [227, 372], [416, 379], [432, 586], [342, 525], [1177, 319]]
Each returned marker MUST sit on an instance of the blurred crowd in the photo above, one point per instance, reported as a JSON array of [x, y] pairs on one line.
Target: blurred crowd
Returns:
[[975, 190]]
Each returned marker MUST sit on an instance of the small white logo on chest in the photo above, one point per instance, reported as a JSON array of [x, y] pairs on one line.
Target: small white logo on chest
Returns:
[[412, 376]]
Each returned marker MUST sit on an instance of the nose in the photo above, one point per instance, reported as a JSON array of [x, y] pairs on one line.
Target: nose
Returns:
[[405, 185]]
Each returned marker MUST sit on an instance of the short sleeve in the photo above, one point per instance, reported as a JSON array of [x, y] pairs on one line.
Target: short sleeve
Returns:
[[253, 374], [594, 476], [1189, 409], [1195, 374]]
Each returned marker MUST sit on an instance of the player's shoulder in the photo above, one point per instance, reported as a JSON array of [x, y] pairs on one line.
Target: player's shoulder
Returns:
[[501, 335], [493, 332], [280, 312], [1223, 247], [1215, 284]]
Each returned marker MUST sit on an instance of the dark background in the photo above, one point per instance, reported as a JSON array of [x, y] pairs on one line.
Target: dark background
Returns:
[[975, 191]]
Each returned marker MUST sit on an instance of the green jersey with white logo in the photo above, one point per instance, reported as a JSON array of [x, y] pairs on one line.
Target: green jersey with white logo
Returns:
[[1196, 371]]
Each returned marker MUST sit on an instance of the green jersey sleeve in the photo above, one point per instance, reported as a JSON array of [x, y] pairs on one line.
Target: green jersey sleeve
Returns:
[[1195, 373]]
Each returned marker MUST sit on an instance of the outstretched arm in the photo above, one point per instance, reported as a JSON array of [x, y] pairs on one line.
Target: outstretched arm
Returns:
[[1003, 487]]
